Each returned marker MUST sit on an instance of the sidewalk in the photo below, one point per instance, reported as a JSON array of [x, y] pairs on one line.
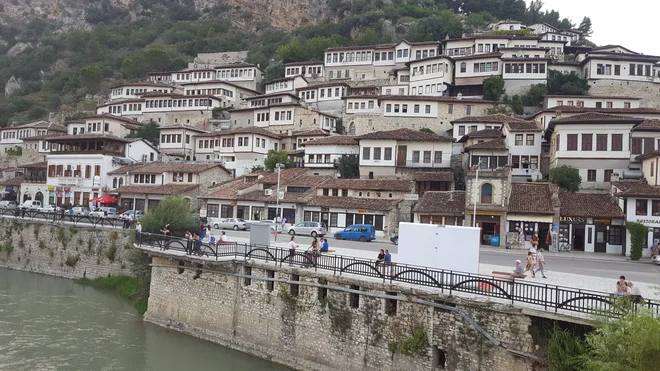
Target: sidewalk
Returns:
[[566, 254]]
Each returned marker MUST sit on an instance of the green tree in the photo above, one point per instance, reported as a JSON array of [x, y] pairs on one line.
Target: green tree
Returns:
[[566, 177], [349, 167], [438, 26], [565, 351], [91, 76], [562, 83], [427, 130], [493, 88], [638, 235], [585, 27], [128, 68], [149, 131], [275, 70], [275, 157], [535, 95], [517, 104], [175, 211]]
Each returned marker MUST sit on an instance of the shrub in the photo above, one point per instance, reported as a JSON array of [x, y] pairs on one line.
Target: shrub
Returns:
[[72, 260], [112, 253], [638, 234], [175, 211]]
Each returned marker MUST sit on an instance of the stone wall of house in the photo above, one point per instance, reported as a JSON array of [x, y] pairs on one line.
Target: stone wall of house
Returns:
[[64, 251], [324, 329], [647, 91]]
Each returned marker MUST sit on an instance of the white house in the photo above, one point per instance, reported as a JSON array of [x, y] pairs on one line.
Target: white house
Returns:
[[312, 71], [590, 101], [231, 95], [384, 154], [431, 76], [133, 91], [11, 137], [285, 84], [524, 143], [325, 97], [640, 201], [324, 153], [178, 141], [103, 124]]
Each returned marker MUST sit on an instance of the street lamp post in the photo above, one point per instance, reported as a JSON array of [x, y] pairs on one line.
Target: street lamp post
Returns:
[[475, 194]]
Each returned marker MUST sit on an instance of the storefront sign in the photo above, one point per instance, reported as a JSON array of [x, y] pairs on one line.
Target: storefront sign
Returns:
[[603, 221], [572, 219], [411, 197], [647, 221], [555, 227], [362, 211], [67, 189], [51, 188]]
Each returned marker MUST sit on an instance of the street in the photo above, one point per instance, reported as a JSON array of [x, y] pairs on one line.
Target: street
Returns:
[[643, 271]]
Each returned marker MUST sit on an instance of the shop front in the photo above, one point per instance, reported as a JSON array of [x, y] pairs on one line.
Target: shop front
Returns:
[[599, 235], [528, 226], [490, 223], [338, 219]]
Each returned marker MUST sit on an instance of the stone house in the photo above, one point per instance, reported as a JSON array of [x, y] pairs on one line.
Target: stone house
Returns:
[[489, 190], [445, 208], [532, 210]]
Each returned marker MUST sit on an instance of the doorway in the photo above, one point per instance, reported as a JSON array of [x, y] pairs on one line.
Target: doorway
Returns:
[[600, 244], [578, 237], [487, 231], [544, 229]]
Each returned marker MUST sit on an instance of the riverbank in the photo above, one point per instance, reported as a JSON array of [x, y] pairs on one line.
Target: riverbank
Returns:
[[131, 288]]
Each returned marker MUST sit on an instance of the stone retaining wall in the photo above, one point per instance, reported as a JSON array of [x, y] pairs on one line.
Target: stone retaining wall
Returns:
[[63, 250], [309, 328]]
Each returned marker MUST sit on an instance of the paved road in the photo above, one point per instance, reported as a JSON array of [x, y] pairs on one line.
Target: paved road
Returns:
[[611, 270]]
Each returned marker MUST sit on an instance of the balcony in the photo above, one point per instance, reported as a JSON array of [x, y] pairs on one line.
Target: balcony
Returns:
[[423, 164], [34, 179], [69, 181]]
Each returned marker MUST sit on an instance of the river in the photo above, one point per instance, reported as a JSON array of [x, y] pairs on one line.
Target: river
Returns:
[[49, 323]]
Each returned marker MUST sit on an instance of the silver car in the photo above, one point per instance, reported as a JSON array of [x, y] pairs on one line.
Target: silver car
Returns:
[[84, 211], [309, 229], [231, 223], [8, 205], [105, 212]]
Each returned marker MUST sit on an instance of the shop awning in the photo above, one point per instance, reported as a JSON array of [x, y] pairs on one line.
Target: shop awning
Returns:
[[529, 218]]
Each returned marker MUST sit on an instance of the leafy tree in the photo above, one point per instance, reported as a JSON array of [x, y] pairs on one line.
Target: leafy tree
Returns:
[[638, 235], [257, 168], [276, 157], [561, 83], [566, 177], [349, 167], [91, 76], [436, 27], [478, 21], [175, 211], [427, 130], [128, 68], [535, 95], [585, 27], [149, 131], [493, 88], [517, 104], [275, 70]]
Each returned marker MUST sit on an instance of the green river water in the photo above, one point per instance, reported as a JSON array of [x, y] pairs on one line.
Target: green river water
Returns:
[[49, 323]]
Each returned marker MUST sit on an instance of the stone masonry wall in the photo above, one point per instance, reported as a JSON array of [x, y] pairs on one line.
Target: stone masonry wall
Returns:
[[63, 251], [309, 328], [647, 91]]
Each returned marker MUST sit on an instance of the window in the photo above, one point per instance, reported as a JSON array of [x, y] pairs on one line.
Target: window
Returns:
[[617, 142], [366, 153], [591, 175], [427, 157], [641, 207], [533, 162], [601, 142], [626, 105], [416, 108], [377, 153], [415, 157], [427, 109], [608, 174], [636, 146], [587, 142], [487, 193], [388, 154], [655, 207], [515, 161], [388, 108], [461, 130], [519, 139], [468, 110], [530, 139], [616, 235], [437, 159], [463, 67], [450, 109]]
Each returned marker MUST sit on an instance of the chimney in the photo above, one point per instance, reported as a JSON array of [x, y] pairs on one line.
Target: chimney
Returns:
[[614, 177]]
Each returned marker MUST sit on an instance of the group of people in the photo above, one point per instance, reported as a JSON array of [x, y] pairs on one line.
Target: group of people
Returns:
[[535, 261], [384, 259], [313, 251], [626, 288]]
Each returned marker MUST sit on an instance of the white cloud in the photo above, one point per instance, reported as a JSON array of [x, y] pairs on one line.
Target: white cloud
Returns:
[[628, 23]]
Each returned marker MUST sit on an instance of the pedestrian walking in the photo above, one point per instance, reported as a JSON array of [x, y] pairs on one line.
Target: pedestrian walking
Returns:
[[138, 227], [292, 249], [385, 232], [540, 262], [530, 263]]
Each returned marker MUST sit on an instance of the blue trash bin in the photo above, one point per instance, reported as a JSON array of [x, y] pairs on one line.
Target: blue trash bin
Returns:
[[495, 240]]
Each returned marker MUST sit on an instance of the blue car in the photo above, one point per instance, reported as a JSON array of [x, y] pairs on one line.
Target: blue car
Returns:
[[361, 232]]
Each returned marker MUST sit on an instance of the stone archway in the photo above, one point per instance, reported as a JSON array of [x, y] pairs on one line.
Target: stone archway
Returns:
[[39, 197], [351, 128]]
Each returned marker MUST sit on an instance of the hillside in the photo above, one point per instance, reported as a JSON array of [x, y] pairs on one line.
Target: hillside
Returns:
[[64, 52]]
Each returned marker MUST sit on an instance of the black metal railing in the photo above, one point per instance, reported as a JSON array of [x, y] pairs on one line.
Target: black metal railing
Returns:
[[57, 217], [547, 297]]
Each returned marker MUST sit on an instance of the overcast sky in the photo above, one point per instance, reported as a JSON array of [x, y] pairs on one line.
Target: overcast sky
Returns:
[[630, 23]]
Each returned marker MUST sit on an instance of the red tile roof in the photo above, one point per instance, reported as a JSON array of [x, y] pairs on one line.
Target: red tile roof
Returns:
[[371, 184], [521, 126], [245, 130], [485, 133], [595, 116], [589, 205], [648, 125], [651, 154], [160, 167], [405, 135], [15, 181], [488, 119], [433, 176], [443, 203], [354, 203], [334, 140], [497, 144], [636, 189], [532, 198], [166, 189]]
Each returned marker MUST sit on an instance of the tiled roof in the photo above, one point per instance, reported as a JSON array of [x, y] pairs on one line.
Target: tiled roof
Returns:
[[617, 111], [245, 130], [491, 144], [160, 167], [523, 126], [476, 56], [405, 135], [15, 181], [595, 116], [486, 133], [60, 138], [36, 165], [433, 176], [652, 154], [333, 139], [636, 188], [112, 117], [531, 198], [166, 189], [183, 126], [648, 125], [309, 133], [444, 203], [371, 184], [366, 47], [286, 176], [589, 205], [354, 203], [488, 119], [426, 98]]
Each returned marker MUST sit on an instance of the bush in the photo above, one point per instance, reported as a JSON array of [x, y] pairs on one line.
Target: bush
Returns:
[[175, 211], [638, 234], [564, 351], [566, 177]]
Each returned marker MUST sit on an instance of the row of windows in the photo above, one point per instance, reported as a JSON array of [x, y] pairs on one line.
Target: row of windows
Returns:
[[592, 174], [427, 156], [195, 75], [347, 74], [587, 142], [303, 71], [642, 207], [261, 117], [178, 103], [430, 68], [265, 102], [462, 128], [403, 108], [426, 89], [71, 171], [173, 138], [524, 162], [282, 115], [361, 105], [529, 139], [379, 153], [144, 179], [319, 159], [231, 73], [486, 67], [218, 91], [133, 91], [351, 57], [21, 133], [181, 177], [524, 68], [277, 85]]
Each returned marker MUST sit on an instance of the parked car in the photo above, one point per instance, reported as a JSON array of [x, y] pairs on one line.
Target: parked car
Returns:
[[230, 223], [49, 209], [361, 232], [8, 205], [137, 214], [31, 204], [308, 229], [105, 212], [83, 211]]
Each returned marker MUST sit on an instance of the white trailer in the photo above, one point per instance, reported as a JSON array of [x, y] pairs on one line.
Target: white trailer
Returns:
[[439, 246]]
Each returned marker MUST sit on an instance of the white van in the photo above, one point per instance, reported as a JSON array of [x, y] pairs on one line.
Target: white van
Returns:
[[31, 204]]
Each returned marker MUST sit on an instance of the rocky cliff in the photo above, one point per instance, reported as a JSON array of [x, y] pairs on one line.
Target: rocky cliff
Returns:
[[22, 21]]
